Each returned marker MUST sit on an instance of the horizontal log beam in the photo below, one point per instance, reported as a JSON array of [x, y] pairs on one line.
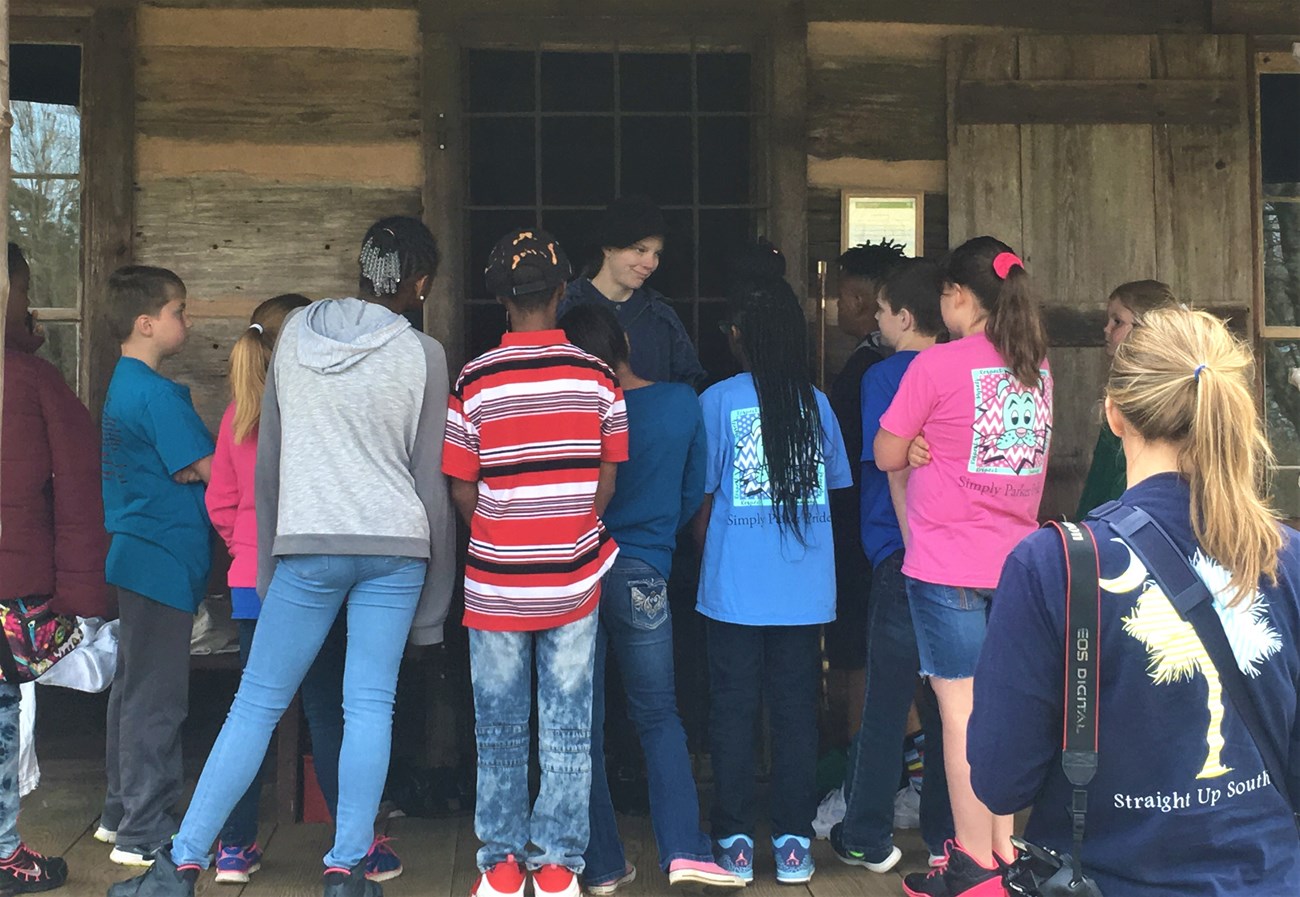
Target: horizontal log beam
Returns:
[[1079, 328], [1141, 102], [1080, 16]]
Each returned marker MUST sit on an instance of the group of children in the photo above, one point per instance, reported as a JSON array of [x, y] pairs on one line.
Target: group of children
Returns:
[[576, 452]]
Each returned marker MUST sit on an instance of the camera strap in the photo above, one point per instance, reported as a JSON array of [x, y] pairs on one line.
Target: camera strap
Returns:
[[1082, 673], [1191, 598]]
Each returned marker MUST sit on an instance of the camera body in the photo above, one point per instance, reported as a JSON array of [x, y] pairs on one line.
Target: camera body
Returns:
[[1043, 872]]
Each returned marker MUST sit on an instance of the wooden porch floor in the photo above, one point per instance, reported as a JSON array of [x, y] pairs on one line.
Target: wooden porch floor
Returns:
[[438, 854]]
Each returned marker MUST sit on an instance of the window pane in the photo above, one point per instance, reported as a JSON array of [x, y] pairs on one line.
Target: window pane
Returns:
[[655, 82], [1284, 487], [486, 325], [722, 233], [500, 81], [485, 228], [676, 275], [1281, 264], [715, 351], [45, 220], [1279, 131], [1282, 399], [724, 160], [577, 161], [577, 82], [46, 139], [62, 348], [501, 171], [576, 232], [45, 73], [723, 82], [657, 159]]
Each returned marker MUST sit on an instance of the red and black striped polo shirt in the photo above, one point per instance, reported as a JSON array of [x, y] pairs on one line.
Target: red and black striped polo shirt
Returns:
[[531, 421]]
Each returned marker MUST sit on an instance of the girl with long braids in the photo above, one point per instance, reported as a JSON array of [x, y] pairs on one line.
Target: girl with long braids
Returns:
[[767, 582], [351, 504], [981, 406]]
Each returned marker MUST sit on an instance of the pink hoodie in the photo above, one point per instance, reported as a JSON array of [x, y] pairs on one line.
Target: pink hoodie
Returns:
[[230, 500]]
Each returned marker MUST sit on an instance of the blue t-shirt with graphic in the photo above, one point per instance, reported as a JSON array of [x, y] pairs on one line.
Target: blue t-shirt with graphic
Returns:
[[881, 535], [1181, 803], [753, 572], [160, 534]]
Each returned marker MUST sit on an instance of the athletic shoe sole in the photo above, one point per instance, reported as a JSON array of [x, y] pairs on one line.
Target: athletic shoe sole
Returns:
[[105, 835], [884, 865], [702, 879], [609, 887], [130, 858], [798, 879], [235, 876], [386, 875]]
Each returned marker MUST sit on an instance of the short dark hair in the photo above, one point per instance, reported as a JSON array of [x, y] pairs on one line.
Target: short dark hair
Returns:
[[136, 290], [595, 330], [872, 261], [916, 285]]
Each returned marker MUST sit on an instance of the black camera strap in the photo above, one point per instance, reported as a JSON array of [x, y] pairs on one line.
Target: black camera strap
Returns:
[[1082, 673], [1191, 598]]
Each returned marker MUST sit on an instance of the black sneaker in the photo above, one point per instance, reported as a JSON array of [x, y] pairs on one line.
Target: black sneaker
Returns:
[[163, 879], [27, 872], [351, 882], [963, 876], [883, 863]]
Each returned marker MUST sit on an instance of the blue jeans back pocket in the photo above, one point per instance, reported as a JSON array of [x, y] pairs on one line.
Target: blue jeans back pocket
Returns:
[[649, 598]]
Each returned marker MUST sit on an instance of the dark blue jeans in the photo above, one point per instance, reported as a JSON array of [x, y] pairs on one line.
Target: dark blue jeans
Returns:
[[636, 625], [322, 704], [786, 661], [875, 756]]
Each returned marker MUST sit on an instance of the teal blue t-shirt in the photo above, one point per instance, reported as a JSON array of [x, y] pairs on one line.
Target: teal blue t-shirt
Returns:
[[755, 573], [159, 528]]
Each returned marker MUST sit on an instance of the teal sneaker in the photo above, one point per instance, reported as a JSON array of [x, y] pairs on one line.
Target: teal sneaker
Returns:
[[736, 855], [794, 862]]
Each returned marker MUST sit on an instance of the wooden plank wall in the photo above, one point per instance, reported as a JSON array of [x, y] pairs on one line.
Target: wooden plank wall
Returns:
[[267, 141], [1093, 204]]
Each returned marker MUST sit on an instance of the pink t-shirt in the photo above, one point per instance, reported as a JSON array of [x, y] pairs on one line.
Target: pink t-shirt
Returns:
[[989, 438]]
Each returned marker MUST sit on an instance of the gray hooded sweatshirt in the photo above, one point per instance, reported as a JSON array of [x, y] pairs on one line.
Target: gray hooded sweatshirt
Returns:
[[349, 450]]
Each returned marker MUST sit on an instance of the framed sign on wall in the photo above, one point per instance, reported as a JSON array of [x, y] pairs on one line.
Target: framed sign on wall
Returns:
[[869, 216]]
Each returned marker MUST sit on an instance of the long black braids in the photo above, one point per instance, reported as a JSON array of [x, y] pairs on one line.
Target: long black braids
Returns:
[[773, 336], [394, 250]]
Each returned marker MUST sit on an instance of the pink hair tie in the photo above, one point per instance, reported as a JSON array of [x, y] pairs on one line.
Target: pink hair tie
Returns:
[[1003, 262]]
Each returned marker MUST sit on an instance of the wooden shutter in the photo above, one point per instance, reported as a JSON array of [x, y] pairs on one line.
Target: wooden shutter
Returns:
[[1103, 159]]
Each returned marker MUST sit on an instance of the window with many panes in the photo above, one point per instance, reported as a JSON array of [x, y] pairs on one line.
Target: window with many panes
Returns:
[[45, 192], [553, 136], [1279, 167]]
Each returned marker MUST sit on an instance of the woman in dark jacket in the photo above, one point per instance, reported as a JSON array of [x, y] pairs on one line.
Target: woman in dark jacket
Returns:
[[52, 540]]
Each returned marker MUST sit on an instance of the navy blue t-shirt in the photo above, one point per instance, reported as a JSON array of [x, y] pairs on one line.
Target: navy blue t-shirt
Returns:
[[661, 484], [1181, 803], [881, 536]]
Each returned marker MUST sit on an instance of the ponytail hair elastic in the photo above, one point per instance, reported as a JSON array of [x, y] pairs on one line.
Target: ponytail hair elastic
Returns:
[[258, 327], [1003, 262], [1196, 374]]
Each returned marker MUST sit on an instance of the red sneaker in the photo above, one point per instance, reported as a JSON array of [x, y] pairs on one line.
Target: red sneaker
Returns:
[[505, 879], [555, 881]]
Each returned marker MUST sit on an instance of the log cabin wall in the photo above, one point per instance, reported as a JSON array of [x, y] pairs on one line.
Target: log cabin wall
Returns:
[[267, 141]]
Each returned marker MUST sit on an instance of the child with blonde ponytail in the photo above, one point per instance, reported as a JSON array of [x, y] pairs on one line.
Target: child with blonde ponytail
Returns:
[[1181, 803], [233, 512]]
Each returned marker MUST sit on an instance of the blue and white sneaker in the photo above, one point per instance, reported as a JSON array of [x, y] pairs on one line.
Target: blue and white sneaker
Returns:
[[736, 855], [794, 862]]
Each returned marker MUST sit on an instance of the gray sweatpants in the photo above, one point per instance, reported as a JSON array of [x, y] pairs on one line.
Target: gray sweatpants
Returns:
[[148, 704]]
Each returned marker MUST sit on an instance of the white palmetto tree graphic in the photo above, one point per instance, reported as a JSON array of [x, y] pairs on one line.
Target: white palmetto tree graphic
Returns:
[[1175, 652]]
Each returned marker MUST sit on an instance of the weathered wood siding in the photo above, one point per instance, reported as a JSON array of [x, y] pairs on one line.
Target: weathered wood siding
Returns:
[[267, 140], [1099, 201]]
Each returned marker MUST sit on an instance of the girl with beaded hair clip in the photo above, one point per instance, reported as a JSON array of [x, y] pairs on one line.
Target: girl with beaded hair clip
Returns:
[[976, 414], [351, 506]]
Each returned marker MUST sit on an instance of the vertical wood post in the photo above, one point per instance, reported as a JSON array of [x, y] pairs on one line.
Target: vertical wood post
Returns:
[[6, 124]]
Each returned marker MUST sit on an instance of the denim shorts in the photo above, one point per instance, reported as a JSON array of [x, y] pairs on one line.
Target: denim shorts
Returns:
[[950, 622]]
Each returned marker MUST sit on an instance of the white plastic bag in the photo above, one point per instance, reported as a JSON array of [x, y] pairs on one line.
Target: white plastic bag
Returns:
[[29, 772], [91, 665]]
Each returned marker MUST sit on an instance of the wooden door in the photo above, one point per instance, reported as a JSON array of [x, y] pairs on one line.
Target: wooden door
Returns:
[[1103, 160]]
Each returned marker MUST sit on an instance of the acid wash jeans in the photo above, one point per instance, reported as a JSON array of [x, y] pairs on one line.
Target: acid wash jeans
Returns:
[[501, 667]]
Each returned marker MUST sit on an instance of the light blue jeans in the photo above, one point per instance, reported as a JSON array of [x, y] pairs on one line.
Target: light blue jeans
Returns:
[[501, 665], [9, 701], [301, 604]]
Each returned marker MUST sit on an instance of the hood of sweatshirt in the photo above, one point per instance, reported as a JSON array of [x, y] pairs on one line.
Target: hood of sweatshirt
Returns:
[[335, 334]]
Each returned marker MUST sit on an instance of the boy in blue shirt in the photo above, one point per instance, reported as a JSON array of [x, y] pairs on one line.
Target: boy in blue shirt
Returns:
[[910, 322], [157, 455]]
